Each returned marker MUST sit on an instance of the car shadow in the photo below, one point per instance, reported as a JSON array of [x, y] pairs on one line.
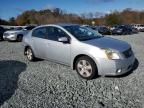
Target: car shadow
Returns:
[[9, 74], [135, 66]]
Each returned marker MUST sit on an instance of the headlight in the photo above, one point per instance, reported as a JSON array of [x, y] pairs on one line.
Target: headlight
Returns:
[[110, 54]]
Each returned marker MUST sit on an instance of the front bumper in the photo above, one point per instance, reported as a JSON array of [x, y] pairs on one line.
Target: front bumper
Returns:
[[111, 67], [10, 37]]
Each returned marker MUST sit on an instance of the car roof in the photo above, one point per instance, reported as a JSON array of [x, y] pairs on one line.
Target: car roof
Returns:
[[59, 24], [66, 24]]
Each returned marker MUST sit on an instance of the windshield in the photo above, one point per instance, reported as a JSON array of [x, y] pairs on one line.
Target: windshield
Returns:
[[82, 33]]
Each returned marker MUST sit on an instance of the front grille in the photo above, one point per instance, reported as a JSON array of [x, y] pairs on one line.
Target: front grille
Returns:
[[128, 53], [6, 34]]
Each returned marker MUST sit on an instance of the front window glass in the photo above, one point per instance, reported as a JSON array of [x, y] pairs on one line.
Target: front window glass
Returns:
[[54, 33]]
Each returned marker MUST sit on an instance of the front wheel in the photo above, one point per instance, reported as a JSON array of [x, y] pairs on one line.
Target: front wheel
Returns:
[[86, 67]]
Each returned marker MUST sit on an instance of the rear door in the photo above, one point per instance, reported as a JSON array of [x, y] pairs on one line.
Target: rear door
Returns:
[[39, 42]]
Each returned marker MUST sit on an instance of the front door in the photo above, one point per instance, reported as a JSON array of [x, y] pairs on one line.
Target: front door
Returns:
[[57, 51]]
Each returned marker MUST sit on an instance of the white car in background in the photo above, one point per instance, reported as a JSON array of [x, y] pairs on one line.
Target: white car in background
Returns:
[[17, 33]]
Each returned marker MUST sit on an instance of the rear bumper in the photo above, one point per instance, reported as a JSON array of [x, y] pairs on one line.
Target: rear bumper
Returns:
[[115, 67]]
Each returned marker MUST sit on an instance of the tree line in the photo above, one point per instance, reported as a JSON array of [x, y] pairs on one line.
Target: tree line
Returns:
[[56, 15]]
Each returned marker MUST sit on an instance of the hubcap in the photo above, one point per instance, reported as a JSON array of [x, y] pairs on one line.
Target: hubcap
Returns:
[[84, 68], [29, 54]]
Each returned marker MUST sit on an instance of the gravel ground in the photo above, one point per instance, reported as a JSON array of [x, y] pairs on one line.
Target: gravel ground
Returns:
[[45, 84]]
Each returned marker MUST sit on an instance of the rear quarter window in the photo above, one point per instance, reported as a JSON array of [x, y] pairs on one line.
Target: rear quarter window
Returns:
[[39, 32]]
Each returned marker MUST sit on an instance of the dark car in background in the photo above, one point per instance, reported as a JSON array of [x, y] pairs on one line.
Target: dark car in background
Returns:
[[104, 30], [121, 30], [90, 27], [100, 29], [2, 30], [131, 28]]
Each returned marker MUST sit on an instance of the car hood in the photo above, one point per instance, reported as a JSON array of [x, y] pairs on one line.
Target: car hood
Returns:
[[107, 42]]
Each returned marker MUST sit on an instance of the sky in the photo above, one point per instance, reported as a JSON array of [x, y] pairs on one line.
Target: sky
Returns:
[[12, 8]]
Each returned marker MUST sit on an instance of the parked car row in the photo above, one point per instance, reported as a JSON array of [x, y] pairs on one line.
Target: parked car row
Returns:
[[16, 34], [118, 29], [121, 30]]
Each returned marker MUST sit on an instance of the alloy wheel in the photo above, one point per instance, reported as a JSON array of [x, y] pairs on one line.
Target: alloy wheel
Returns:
[[84, 68]]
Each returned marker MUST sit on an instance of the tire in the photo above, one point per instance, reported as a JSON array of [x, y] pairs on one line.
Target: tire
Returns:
[[86, 67], [124, 33], [1, 38], [29, 54], [19, 38]]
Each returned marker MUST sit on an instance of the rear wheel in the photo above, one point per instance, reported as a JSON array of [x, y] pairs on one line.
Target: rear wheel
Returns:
[[29, 53], [86, 67]]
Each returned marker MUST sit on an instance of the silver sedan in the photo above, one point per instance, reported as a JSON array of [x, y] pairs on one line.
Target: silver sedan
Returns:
[[86, 51]]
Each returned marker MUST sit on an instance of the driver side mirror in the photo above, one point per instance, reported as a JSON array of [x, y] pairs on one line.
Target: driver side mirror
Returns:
[[63, 39]]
